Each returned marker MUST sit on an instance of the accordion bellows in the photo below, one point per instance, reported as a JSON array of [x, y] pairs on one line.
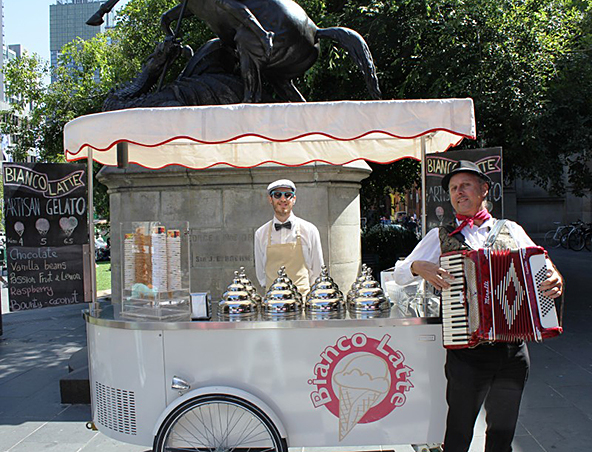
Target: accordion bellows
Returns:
[[496, 297]]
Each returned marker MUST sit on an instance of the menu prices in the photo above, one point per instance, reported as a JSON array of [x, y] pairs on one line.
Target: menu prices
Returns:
[[45, 276], [439, 211], [45, 207]]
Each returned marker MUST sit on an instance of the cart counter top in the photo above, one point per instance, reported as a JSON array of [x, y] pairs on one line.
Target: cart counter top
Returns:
[[110, 315]]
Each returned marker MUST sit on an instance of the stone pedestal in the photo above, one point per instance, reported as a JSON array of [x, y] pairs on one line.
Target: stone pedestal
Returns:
[[225, 206]]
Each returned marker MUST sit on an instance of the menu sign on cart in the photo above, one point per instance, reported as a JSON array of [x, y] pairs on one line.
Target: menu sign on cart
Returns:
[[438, 208], [45, 209]]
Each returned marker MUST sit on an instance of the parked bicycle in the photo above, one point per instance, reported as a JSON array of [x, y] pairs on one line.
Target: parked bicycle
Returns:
[[560, 235], [572, 227], [554, 237], [576, 239]]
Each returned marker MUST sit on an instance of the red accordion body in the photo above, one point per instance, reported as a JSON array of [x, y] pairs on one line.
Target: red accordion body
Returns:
[[496, 297]]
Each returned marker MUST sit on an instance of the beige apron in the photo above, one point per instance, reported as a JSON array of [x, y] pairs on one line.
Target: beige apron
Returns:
[[289, 255]]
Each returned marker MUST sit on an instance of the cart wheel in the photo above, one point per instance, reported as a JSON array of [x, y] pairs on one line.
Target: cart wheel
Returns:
[[220, 423]]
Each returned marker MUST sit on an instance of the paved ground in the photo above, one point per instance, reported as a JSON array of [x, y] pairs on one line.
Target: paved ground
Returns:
[[556, 413]]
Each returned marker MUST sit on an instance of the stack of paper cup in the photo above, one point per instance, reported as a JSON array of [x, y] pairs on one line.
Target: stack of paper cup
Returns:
[[174, 259], [142, 259], [159, 258], [129, 263]]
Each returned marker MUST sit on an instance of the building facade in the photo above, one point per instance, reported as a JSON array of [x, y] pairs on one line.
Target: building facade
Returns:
[[539, 211], [8, 53], [67, 21], [2, 57]]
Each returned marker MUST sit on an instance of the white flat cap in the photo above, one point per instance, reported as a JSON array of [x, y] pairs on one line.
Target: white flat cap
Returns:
[[281, 183]]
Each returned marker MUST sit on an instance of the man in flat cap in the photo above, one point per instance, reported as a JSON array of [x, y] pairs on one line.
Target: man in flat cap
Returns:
[[287, 241], [490, 374]]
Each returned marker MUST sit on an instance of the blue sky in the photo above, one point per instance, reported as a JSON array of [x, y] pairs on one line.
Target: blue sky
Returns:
[[26, 22]]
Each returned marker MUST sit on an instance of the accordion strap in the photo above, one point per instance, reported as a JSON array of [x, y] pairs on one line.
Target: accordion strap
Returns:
[[444, 236], [495, 230]]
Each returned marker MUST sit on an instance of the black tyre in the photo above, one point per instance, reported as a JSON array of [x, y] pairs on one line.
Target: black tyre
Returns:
[[575, 240], [563, 236], [221, 423], [588, 241], [551, 240]]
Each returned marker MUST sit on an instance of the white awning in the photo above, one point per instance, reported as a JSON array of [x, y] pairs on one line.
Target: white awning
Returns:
[[248, 135]]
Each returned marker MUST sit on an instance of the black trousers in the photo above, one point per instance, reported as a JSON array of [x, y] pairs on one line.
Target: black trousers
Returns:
[[492, 375]]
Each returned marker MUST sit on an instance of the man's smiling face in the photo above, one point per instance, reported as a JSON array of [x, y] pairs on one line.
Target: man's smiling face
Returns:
[[467, 193], [282, 207]]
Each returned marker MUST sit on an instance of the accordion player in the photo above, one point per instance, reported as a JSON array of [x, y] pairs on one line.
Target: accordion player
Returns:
[[496, 297]]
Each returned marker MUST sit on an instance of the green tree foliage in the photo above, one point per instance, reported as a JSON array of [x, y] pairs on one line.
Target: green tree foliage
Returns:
[[83, 78], [387, 243], [24, 83], [397, 177], [138, 30], [526, 64]]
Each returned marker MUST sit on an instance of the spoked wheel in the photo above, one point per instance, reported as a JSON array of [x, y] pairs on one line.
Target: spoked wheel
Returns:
[[588, 241], [551, 240], [218, 423], [575, 240], [563, 236]]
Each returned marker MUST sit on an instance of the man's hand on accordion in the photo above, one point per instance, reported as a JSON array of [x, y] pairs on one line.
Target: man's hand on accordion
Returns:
[[552, 287], [432, 273]]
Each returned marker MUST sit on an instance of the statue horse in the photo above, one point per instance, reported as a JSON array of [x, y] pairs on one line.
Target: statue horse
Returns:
[[209, 79], [274, 40]]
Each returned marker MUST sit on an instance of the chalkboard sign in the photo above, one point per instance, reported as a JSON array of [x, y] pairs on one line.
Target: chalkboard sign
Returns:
[[45, 210], [438, 208]]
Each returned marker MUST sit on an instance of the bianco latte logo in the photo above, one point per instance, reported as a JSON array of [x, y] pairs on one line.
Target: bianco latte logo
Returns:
[[360, 380]]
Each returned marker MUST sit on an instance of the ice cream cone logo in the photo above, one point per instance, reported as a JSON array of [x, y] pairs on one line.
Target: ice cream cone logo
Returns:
[[363, 383], [68, 224], [19, 228], [42, 226], [360, 380]]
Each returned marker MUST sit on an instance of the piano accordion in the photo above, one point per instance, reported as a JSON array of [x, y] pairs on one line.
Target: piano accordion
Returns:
[[496, 297]]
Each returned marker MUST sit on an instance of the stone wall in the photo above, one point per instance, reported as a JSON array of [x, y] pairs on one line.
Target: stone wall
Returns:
[[537, 210], [225, 206]]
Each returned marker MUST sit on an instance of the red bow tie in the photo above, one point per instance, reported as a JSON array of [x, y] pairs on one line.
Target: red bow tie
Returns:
[[482, 215]]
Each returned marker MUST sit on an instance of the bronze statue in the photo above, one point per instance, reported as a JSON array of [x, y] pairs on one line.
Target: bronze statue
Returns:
[[273, 40], [97, 18], [208, 79]]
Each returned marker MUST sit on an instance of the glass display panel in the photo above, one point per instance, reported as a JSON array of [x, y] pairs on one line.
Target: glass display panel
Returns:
[[155, 271]]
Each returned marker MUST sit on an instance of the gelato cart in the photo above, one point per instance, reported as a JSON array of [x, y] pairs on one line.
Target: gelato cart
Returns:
[[173, 370]]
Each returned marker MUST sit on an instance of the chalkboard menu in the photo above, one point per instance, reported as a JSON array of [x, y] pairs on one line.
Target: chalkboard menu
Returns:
[[45, 210], [438, 208]]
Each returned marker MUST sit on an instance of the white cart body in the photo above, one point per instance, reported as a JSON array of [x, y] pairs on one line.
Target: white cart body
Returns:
[[272, 364]]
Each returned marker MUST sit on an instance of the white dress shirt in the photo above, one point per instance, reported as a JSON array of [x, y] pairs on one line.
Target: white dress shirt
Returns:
[[311, 245], [429, 247]]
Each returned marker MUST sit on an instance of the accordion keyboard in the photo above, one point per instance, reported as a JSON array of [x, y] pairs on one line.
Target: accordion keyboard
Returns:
[[455, 321]]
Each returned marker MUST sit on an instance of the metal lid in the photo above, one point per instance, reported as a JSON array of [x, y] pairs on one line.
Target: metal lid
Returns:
[[354, 287], [282, 297], [368, 296], [325, 315], [237, 301], [369, 314], [250, 288], [324, 295]]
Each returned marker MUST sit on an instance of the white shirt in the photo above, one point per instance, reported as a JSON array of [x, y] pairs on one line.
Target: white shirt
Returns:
[[429, 247], [311, 245]]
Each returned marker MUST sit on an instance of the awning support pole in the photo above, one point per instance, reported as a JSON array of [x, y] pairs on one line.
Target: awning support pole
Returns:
[[423, 216], [423, 187], [122, 155], [91, 233]]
